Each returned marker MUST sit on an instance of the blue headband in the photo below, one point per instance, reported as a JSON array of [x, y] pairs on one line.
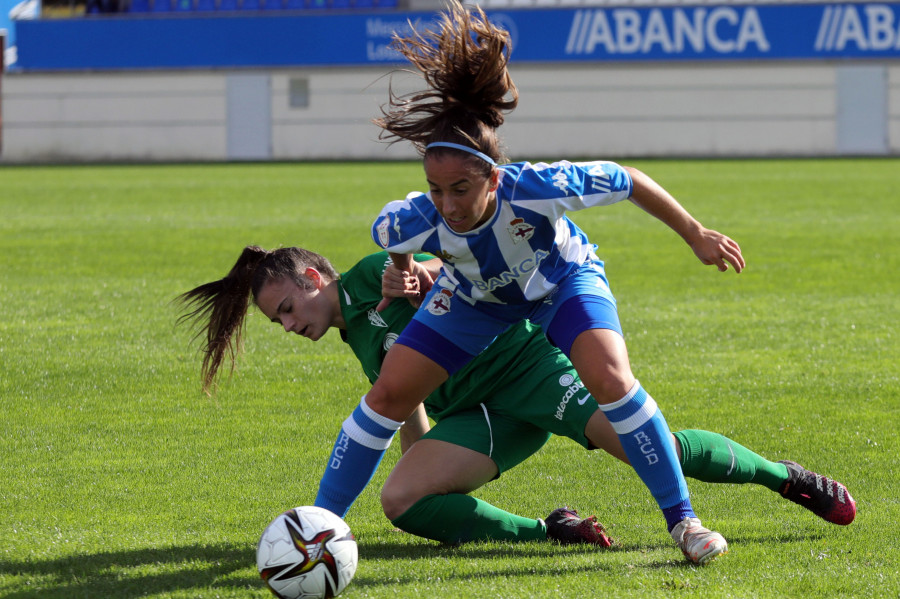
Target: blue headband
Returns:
[[473, 151]]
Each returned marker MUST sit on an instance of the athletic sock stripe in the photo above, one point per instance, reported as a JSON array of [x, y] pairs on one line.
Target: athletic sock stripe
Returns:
[[358, 434], [376, 418], [632, 411], [625, 400], [636, 420], [363, 423]]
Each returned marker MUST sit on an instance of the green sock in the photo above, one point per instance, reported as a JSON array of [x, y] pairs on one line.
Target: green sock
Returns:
[[457, 518], [713, 458]]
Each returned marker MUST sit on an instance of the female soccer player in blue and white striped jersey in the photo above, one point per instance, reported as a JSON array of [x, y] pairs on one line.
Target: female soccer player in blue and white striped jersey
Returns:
[[510, 253], [489, 416]]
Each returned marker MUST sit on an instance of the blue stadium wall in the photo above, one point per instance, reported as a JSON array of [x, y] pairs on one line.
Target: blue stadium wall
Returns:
[[258, 83], [266, 38]]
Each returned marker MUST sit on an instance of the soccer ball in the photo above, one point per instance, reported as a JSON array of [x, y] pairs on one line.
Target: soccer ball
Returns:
[[307, 552]]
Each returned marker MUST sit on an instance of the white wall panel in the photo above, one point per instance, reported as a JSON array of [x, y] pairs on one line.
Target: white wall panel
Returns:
[[893, 109], [248, 104], [861, 109], [671, 110]]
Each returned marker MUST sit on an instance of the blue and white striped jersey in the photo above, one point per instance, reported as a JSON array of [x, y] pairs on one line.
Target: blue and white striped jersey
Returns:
[[528, 245]]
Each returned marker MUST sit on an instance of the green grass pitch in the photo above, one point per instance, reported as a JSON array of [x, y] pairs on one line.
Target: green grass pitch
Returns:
[[118, 478]]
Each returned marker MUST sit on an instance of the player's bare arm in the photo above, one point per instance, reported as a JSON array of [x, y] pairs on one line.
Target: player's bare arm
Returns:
[[403, 264], [711, 247]]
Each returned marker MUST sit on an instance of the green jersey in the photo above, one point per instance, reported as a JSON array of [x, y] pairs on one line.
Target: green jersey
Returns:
[[505, 363]]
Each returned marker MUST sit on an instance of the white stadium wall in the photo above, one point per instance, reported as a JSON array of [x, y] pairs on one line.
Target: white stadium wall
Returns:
[[695, 110], [664, 110], [102, 116]]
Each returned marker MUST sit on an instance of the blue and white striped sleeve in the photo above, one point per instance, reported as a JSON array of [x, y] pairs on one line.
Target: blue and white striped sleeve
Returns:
[[403, 226], [574, 186], [604, 183]]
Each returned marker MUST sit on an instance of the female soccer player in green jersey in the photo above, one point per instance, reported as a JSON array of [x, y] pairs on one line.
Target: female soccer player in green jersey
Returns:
[[490, 416]]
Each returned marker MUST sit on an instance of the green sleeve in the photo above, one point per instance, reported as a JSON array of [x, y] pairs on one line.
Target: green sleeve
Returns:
[[370, 333]]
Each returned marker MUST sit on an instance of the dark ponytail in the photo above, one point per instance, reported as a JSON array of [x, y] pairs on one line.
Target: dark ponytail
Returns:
[[218, 309]]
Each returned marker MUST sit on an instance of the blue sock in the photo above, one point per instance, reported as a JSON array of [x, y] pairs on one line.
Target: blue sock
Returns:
[[361, 444], [647, 442]]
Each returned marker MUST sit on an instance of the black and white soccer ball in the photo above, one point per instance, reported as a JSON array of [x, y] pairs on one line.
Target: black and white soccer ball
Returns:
[[307, 552]]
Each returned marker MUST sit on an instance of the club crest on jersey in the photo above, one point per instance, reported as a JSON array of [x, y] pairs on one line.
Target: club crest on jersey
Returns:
[[440, 302], [375, 318], [445, 256], [519, 230], [389, 340], [382, 228]]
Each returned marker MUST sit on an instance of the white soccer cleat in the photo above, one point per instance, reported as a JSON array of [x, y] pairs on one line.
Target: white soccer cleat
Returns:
[[698, 543]]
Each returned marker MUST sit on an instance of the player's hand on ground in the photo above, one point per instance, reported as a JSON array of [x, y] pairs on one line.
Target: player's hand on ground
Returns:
[[717, 249]]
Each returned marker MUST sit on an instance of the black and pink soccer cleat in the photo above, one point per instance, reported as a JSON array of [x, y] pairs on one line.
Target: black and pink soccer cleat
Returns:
[[823, 496]]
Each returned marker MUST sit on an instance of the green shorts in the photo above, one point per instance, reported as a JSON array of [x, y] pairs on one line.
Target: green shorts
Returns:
[[516, 421]]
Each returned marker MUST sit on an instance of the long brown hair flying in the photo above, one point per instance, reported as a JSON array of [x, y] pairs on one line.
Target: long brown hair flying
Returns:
[[464, 63]]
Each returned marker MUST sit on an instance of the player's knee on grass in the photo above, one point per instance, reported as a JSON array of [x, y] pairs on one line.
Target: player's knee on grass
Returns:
[[397, 498]]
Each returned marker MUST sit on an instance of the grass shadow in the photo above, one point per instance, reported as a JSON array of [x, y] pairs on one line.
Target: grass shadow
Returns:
[[142, 572], [136, 573], [487, 554], [400, 550]]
